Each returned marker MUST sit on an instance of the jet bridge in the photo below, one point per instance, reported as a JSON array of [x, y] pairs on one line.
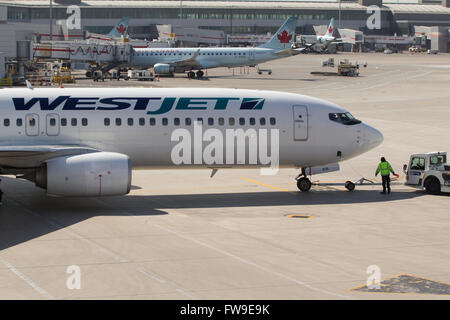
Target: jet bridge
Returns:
[[93, 52]]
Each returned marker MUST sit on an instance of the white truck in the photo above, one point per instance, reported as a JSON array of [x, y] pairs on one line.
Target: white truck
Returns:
[[140, 75], [428, 171]]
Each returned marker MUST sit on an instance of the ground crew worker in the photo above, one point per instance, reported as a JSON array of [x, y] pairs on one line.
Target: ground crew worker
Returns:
[[386, 169]]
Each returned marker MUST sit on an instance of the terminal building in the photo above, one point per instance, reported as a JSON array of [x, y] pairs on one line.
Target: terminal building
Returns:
[[224, 22]]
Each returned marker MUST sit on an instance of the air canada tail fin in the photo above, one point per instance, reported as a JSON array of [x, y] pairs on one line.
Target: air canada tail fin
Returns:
[[284, 37], [330, 29], [120, 29]]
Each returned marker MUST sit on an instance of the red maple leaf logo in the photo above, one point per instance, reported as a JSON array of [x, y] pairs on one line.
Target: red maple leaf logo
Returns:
[[121, 29], [284, 37], [330, 30]]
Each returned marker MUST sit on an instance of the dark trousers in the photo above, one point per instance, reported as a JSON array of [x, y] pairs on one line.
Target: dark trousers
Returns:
[[386, 183]]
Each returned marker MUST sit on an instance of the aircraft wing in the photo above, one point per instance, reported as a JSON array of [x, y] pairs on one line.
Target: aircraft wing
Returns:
[[190, 62], [30, 156]]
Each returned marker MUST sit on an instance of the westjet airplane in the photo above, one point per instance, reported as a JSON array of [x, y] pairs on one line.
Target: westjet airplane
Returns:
[[167, 61], [85, 141]]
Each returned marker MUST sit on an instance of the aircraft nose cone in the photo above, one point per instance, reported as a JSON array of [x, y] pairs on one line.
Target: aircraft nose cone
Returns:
[[373, 137]]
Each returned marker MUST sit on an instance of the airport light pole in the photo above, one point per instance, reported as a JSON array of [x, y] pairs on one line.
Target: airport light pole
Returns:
[[339, 14], [51, 20]]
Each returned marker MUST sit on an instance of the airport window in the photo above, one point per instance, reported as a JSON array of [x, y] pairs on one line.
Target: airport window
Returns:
[[165, 122], [142, 121], [52, 122], [417, 164], [73, 121], [262, 121], [211, 121], [63, 122], [19, 122], [152, 121], [118, 121], [344, 118], [176, 121], [252, 121], [241, 121], [221, 121], [6, 122], [231, 121], [106, 121], [273, 121], [187, 121], [130, 121], [84, 122]]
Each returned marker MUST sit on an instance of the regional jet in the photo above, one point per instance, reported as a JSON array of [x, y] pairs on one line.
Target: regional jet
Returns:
[[322, 41], [86, 141], [167, 61]]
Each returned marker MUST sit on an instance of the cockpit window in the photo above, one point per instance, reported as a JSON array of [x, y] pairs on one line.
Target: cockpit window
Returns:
[[344, 118]]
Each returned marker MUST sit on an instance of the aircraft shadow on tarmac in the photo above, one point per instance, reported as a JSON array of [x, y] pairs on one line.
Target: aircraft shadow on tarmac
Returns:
[[28, 213]]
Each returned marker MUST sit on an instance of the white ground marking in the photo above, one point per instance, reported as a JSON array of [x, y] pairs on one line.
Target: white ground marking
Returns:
[[30, 282], [72, 233], [240, 259], [151, 275]]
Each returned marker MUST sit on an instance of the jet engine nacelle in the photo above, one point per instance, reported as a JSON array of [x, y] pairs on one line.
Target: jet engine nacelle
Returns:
[[86, 175], [163, 68]]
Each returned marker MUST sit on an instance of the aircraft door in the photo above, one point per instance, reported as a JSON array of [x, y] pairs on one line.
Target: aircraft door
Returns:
[[252, 54], [300, 122], [415, 170], [32, 124], [52, 124]]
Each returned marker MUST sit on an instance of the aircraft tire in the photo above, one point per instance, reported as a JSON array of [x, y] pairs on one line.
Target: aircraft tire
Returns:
[[304, 184], [350, 186], [200, 74]]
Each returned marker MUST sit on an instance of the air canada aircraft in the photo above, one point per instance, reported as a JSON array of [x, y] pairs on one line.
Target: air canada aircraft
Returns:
[[322, 41], [118, 31], [167, 61], [85, 141]]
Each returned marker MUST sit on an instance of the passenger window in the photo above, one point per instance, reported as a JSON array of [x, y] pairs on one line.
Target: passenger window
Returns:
[[176, 121], [242, 121], [118, 121], [165, 121], [130, 121], [142, 121], [32, 122], [19, 122], [73, 121], [63, 122], [187, 121], [252, 121], [262, 121], [221, 121], [152, 121], [273, 121], [231, 121], [417, 164], [199, 121], [84, 122], [52, 122], [6, 122], [211, 121], [106, 121]]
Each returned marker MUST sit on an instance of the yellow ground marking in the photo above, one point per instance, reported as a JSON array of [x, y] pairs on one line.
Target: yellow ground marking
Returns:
[[305, 216], [267, 185]]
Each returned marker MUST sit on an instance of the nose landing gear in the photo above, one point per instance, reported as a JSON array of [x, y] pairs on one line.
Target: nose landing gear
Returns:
[[303, 183]]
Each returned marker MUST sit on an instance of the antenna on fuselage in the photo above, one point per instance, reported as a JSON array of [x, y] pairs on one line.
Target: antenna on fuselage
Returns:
[[29, 86]]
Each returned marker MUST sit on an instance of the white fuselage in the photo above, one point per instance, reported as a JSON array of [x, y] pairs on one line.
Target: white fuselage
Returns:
[[207, 57], [141, 123]]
